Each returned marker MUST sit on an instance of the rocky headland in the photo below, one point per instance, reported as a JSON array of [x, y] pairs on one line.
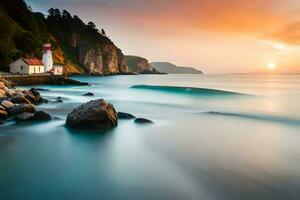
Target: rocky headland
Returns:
[[174, 69], [140, 65]]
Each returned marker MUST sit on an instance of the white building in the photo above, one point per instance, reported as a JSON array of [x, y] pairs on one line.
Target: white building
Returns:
[[57, 70], [27, 66], [47, 57], [37, 66]]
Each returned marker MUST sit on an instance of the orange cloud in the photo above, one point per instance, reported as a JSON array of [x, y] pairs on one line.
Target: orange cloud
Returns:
[[289, 34], [242, 16]]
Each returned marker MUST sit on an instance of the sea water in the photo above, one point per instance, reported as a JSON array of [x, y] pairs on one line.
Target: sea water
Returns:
[[230, 136]]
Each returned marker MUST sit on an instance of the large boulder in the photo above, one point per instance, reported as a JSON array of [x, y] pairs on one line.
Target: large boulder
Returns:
[[93, 115]]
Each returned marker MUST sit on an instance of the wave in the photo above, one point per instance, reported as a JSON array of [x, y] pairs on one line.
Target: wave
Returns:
[[187, 90], [270, 118]]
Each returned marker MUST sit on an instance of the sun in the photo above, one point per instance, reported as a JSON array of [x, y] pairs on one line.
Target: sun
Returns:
[[271, 65]]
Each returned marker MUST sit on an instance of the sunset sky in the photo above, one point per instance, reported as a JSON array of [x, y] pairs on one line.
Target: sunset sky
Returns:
[[216, 36]]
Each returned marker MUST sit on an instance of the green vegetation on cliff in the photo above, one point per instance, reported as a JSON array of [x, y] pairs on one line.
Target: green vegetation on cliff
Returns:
[[79, 46]]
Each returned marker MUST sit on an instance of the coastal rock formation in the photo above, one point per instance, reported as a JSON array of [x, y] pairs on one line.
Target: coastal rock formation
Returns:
[[21, 108], [123, 115], [102, 60], [7, 104], [88, 94], [24, 117], [93, 115], [143, 121], [41, 116], [19, 105], [173, 69], [140, 65]]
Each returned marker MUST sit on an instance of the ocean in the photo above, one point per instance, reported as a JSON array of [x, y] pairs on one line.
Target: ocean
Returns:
[[214, 137]]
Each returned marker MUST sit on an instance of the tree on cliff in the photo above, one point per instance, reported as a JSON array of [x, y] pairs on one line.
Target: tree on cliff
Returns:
[[103, 32]]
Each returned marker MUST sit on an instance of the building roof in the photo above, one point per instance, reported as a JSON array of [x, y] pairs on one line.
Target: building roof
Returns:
[[33, 61]]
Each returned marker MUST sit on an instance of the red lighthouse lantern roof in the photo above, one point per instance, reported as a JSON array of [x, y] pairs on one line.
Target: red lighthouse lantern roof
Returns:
[[47, 46]]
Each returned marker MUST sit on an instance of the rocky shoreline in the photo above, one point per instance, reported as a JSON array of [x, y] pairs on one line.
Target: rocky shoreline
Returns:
[[19, 105]]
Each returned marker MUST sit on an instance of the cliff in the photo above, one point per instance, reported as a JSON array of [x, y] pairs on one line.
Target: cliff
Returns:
[[140, 65], [173, 69], [81, 47], [102, 59]]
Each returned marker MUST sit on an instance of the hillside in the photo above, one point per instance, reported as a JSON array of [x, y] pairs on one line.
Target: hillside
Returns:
[[81, 47], [173, 69], [140, 65]]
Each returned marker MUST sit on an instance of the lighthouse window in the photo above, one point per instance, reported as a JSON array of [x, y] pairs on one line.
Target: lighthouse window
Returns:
[[21, 67]]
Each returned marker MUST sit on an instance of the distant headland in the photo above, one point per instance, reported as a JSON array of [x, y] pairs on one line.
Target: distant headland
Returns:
[[173, 69]]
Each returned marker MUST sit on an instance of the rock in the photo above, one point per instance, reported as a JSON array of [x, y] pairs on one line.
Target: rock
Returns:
[[59, 101], [2, 93], [143, 121], [36, 94], [19, 99], [44, 100], [88, 94], [93, 115], [42, 116], [24, 117], [2, 108], [122, 115], [7, 104], [9, 92], [3, 114], [2, 122], [21, 108], [2, 85], [30, 97]]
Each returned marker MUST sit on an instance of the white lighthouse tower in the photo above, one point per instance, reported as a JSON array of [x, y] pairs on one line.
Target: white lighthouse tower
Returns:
[[47, 57]]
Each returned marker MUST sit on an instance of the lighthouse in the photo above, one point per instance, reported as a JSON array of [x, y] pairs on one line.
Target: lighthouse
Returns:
[[47, 57]]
